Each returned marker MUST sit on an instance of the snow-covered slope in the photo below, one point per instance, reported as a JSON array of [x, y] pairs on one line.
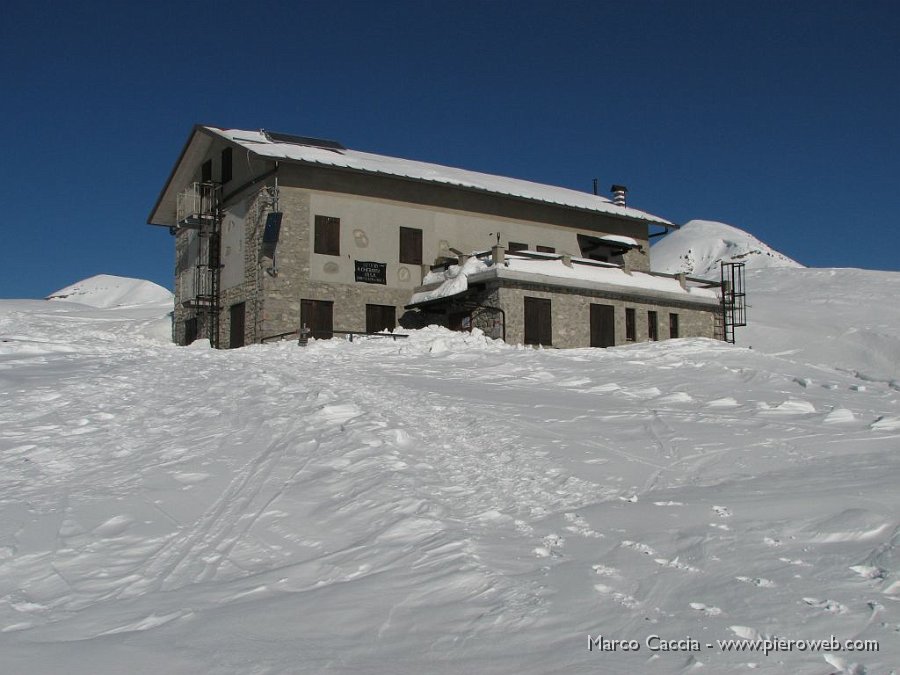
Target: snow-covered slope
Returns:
[[844, 318], [698, 246], [105, 290], [440, 504]]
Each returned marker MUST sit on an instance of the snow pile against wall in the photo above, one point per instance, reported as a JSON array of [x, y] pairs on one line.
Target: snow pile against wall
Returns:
[[105, 290], [698, 246]]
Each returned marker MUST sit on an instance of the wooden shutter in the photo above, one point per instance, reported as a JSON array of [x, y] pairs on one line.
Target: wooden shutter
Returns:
[[673, 325], [380, 318], [318, 317], [237, 316], [538, 325], [328, 235], [652, 326], [410, 246], [603, 325], [630, 328]]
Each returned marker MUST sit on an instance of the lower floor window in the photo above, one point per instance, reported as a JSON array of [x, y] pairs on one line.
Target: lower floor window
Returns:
[[630, 325], [380, 318], [538, 324], [317, 316], [652, 326]]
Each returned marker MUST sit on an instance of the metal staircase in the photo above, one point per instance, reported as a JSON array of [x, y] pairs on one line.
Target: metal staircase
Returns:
[[734, 306]]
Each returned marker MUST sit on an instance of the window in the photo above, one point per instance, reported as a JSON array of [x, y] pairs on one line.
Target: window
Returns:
[[226, 165], [380, 318], [318, 317], [630, 328], [538, 326], [328, 235], [206, 171], [190, 330], [237, 317], [652, 326], [410, 246], [673, 325], [603, 325], [546, 249], [517, 246]]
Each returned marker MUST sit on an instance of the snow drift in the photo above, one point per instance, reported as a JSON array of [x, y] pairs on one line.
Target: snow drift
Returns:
[[444, 503], [698, 246]]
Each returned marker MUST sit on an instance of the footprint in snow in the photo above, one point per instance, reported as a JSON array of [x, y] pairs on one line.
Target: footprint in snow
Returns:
[[758, 581], [706, 609], [639, 547], [580, 526], [722, 511], [830, 606], [552, 544], [623, 599]]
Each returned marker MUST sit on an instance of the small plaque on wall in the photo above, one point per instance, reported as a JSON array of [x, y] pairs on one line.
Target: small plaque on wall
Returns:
[[371, 272]]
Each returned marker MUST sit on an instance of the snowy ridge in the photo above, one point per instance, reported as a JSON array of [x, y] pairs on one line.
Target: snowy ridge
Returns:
[[105, 290], [697, 247], [445, 503]]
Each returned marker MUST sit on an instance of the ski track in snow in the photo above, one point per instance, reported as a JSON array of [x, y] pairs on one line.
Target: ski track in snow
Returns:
[[438, 504]]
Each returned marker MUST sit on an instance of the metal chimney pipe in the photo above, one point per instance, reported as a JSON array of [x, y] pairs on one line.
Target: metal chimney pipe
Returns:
[[618, 194]]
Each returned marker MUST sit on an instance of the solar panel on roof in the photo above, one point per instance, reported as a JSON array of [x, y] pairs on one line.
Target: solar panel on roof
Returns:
[[276, 137]]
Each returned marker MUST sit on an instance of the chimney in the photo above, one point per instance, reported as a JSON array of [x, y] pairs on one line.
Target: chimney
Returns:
[[618, 194], [498, 254]]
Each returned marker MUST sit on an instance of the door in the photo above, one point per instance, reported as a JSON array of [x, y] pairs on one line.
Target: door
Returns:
[[318, 317], [603, 325], [538, 326], [380, 318], [238, 314]]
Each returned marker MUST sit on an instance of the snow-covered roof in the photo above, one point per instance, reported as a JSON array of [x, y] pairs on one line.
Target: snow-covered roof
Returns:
[[263, 145], [552, 270]]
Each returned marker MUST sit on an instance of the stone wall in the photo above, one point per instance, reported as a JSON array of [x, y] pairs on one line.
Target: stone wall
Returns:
[[570, 312]]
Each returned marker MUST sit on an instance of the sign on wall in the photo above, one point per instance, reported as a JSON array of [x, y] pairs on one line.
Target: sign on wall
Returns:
[[371, 272]]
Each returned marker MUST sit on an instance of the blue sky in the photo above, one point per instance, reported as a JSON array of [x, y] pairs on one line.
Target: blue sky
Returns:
[[777, 117]]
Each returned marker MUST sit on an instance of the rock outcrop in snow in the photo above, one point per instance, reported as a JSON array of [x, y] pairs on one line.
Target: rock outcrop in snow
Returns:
[[698, 247], [106, 290]]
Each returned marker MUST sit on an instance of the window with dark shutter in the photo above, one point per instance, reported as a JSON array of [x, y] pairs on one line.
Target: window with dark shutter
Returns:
[[237, 318], [328, 235], [380, 318], [517, 246], [546, 249], [226, 165], [206, 171], [410, 246], [630, 325], [318, 317], [538, 325], [652, 326], [603, 325], [673, 325]]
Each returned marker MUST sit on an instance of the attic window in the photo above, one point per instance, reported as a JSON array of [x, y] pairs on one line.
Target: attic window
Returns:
[[206, 171], [226, 165]]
